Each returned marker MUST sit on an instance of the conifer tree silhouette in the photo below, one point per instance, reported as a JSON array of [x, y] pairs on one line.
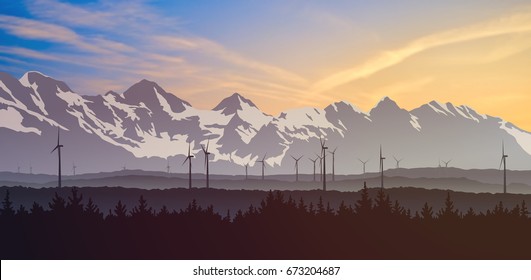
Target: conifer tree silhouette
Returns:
[[120, 210], [142, 210], [363, 206], [36, 209], [7, 206], [343, 210], [500, 210], [92, 210], [58, 204], [74, 205], [448, 213], [382, 203], [22, 212], [470, 213], [427, 212], [397, 209], [523, 210], [164, 212]]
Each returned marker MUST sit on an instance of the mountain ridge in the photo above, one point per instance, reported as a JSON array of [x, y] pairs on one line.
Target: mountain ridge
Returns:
[[147, 125]]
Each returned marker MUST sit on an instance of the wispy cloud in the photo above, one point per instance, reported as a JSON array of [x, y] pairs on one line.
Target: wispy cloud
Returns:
[[516, 23]]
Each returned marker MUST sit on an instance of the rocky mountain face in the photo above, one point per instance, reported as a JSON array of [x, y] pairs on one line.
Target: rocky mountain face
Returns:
[[145, 126]]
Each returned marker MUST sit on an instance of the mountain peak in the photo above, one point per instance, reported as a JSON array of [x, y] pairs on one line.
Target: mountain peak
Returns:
[[31, 78], [385, 104], [234, 103], [151, 94]]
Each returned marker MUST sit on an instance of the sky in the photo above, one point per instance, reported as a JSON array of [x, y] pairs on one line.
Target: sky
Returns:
[[282, 54]]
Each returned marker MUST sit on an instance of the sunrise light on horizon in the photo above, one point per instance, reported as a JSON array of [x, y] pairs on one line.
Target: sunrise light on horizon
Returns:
[[282, 54]]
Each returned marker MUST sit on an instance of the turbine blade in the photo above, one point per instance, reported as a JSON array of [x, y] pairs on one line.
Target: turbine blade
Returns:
[[185, 160], [208, 143], [501, 162], [203, 148], [54, 149]]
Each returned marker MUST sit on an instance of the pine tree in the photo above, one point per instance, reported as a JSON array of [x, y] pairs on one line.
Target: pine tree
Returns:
[[470, 213], [120, 210], [382, 203], [58, 204], [343, 210], [523, 210], [427, 212], [22, 212], [142, 210], [320, 206], [448, 212], [363, 206], [301, 206], [92, 209], [7, 206], [36, 209], [397, 209], [74, 205], [500, 210], [164, 212]]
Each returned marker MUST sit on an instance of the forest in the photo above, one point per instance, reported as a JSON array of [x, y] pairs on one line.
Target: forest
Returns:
[[278, 228]]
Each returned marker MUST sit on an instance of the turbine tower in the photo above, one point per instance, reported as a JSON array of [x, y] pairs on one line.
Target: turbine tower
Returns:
[[205, 151], [364, 163], [323, 154], [189, 159], [504, 162], [446, 163], [74, 168], [397, 161], [263, 165], [314, 161], [381, 168], [31, 169], [320, 167], [296, 167], [58, 148], [333, 164], [246, 167]]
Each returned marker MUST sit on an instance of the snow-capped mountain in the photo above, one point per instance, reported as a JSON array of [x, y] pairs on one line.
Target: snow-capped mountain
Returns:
[[145, 126]]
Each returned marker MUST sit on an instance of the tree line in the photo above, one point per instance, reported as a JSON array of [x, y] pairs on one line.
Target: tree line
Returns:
[[278, 228]]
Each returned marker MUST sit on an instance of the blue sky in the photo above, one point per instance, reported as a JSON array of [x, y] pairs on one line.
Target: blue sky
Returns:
[[281, 54]]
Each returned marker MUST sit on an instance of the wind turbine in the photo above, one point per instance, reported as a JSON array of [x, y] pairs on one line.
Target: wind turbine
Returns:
[[31, 169], [504, 162], [397, 161], [446, 163], [381, 168], [296, 167], [189, 159], [205, 151], [58, 148], [323, 154], [333, 164], [263, 165], [74, 168], [363, 162], [168, 165], [246, 167], [314, 161]]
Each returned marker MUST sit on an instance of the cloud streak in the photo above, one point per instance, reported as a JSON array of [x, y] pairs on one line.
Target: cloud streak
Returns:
[[517, 23]]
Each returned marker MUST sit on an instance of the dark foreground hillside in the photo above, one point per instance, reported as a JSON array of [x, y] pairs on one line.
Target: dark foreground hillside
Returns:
[[279, 227]]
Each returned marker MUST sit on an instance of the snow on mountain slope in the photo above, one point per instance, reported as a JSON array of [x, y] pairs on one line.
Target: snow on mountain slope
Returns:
[[146, 125]]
